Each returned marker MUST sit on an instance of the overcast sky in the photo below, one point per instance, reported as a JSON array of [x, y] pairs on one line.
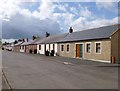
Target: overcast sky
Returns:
[[24, 19]]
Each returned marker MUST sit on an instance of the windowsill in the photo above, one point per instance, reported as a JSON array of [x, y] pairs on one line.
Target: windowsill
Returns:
[[88, 52], [97, 53], [68, 52]]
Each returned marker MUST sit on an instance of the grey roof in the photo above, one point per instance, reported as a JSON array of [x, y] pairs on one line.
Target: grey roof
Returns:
[[19, 43], [96, 33], [40, 40], [30, 42], [51, 39], [26, 43]]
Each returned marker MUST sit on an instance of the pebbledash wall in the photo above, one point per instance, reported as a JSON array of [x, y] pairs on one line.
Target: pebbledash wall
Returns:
[[32, 48], [104, 55], [16, 48], [115, 45]]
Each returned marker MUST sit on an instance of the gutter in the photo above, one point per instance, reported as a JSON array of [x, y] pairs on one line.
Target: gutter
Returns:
[[83, 40]]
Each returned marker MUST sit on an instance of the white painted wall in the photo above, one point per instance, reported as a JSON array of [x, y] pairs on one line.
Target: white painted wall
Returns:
[[51, 47], [56, 46], [22, 50], [47, 47], [42, 51], [37, 48]]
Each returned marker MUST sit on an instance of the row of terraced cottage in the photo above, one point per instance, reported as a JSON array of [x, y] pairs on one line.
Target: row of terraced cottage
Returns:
[[98, 44]]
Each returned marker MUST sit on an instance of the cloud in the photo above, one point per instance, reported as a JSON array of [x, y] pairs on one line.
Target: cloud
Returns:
[[46, 9], [87, 19], [21, 27], [74, 10], [9, 8], [82, 23], [85, 12], [62, 8], [64, 19], [22, 23], [110, 6]]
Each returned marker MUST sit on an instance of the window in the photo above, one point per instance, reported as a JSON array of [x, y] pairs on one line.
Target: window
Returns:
[[22, 47], [98, 47], [62, 47], [68, 47], [88, 47], [39, 47]]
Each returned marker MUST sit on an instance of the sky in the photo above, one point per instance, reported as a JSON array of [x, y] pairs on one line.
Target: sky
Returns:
[[23, 19]]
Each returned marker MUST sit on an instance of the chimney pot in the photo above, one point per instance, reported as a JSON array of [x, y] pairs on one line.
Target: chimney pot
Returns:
[[70, 30], [47, 34]]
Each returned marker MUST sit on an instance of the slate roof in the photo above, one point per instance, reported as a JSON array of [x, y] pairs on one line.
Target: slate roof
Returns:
[[40, 40], [26, 43], [51, 39], [30, 42], [19, 43], [90, 34]]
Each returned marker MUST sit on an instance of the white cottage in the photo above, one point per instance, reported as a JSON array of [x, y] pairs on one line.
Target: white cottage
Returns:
[[49, 43], [23, 45]]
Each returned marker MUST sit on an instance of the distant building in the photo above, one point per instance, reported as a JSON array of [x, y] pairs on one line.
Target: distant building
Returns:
[[17, 46], [29, 46]]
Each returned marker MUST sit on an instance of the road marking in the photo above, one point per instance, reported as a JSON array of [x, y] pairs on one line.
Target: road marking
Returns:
[[67, 63]]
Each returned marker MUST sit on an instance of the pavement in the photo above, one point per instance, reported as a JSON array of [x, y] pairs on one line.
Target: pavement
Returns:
[[29, 71]]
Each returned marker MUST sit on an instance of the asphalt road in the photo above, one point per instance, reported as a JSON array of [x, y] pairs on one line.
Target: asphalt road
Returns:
[[27, 71]]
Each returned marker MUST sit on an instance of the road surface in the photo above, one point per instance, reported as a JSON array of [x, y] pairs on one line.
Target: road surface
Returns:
[[28, 71]]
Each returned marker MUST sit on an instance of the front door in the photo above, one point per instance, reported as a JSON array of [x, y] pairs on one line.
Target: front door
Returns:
[[79, 50]]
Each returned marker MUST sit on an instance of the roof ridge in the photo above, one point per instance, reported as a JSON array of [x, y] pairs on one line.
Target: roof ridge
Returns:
[[96, 28]]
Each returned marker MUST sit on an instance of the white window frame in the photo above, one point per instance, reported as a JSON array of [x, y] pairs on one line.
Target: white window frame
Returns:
[[100, 47], [86, 47], [69, 48]]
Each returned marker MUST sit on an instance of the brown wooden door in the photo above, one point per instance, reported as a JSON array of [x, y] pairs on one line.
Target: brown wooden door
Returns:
[[77, 50]]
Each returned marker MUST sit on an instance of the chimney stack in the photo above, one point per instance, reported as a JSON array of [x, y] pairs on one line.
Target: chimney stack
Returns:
[[23, 40], [47, 34], [33, 37], [70, 30]]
